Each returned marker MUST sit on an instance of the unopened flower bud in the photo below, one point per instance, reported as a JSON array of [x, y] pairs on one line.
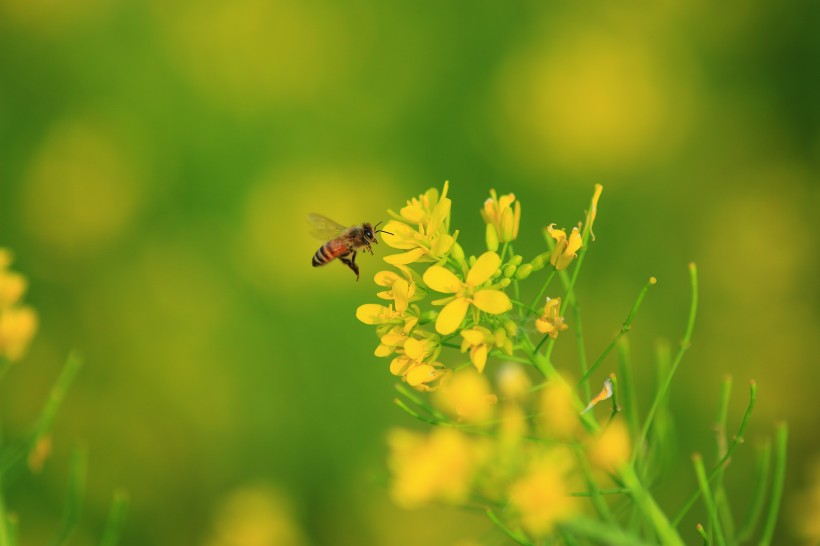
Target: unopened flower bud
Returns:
[[523, 272], [491, 237]]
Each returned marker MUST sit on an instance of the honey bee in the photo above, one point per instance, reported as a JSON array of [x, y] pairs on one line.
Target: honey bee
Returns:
[[342, 242]]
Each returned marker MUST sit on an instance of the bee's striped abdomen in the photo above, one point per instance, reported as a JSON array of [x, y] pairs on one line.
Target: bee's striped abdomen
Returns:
[[329, 252]]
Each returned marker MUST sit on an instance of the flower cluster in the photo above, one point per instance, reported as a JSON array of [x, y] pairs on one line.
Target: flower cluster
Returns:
[[18, 322], [513, 436], [437, 297]]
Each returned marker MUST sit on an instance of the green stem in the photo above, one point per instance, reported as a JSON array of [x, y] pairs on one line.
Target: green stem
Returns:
[[518, 537], [735, 442], [630, 403], [684, 345], [595, 495], [760, 481], [625, 327], [76, 490], [116, 519], [597, 532], [663, 529], [582, 353], [780, 445], [711, 509], [541, 292]]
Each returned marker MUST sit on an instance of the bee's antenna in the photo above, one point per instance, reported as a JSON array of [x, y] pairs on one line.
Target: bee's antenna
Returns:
[[380, 230]]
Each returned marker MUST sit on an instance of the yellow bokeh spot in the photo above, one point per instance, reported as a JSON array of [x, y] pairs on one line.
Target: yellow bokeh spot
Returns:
[[81, 191], [541, 498], [612, 448], [256, 516], [557, 415], [438, 466], [588, 98], [467, 396], [249, 54]]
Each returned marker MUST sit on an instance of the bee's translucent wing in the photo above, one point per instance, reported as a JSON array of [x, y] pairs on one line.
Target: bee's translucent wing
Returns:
[[324, 228]]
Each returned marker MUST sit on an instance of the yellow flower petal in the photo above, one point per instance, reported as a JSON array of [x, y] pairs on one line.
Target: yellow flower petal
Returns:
[[487, 264], [399, 365], [439, 215], [386, 278], [401, 235], [401, 295], [422, 373], [416, 349], [405, 257], [479, 357], [372, 313], [442, 280], [473, 336], [492, 301], [384, 350], [574, 243], [442, 244], [451, 316]]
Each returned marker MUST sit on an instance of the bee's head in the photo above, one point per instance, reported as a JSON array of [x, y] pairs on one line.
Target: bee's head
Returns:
[[370, 232]]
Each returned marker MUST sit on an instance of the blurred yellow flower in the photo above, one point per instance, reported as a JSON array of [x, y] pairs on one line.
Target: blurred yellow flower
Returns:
[[436, 467], [466, 394], [500, 213], [18, 323], [513, 382], [541, 496], [557, 414], [489, 300], [421, 229], [565, 248], [611, 448], [256, 516], [551, 322]]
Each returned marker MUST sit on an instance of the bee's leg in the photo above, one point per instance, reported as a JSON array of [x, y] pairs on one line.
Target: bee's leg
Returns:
[[370, 248], [351, 263]]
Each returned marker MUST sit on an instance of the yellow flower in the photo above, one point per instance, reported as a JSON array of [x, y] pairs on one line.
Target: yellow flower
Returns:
[[541, 498], [466, 293], [479, 341], [500, 213], [437, 467], [513, 382], [557, 414], [17, 327], [18, 323], [551, 322], [402, 290], [416, 362], [565, 248], [611, 449], [466, 395], [422, 230]]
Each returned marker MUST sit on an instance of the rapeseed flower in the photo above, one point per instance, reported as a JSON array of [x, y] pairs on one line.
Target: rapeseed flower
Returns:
[[566, 248], [503, 216], [611, 448], [421, 229], [466, 293], [541, 497], [436, 467], [551, 322], [466, 395], [18, 323]]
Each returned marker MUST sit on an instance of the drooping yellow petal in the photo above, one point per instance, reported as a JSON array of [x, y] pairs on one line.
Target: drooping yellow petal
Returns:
[[486, 264], [593, 211], [405, 257], [574, 243], [401, 295], [479, 357], [451, 316], [442, 280], [492, 301]]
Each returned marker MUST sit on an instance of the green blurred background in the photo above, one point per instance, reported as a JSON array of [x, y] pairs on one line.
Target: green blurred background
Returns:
[[157, 160]]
